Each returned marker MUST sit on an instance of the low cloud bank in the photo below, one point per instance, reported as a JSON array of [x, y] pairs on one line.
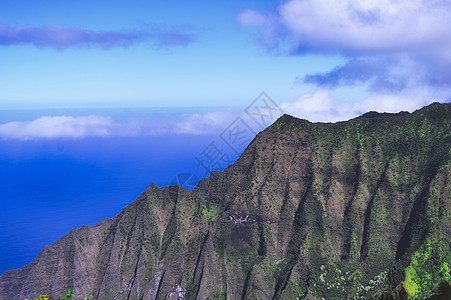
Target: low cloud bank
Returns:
[[52, 127], [318, 106], [321, 106]]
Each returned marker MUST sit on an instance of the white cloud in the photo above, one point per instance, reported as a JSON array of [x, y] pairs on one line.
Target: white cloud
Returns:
[[52, 127], [204, 123], [320, 106], [368, 27], [398, 50], [60, 126]]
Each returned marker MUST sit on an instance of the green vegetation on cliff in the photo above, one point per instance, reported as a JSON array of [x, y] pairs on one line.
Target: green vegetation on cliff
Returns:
[[351, 210], [430, 266]]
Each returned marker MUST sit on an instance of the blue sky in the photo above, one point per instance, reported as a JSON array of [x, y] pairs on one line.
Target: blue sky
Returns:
[[164, 54], [319, 60]]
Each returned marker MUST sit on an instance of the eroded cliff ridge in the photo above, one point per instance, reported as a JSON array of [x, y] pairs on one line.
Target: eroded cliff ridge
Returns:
[[349, 210]]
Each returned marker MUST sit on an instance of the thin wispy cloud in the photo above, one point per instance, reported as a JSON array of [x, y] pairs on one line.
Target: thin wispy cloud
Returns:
[[203, 123], [353, 72], [59, 37], [252, 18], [375, 73], [54, 127]]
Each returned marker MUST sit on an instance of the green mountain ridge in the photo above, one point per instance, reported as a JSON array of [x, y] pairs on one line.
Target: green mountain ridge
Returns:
[[349, 210]]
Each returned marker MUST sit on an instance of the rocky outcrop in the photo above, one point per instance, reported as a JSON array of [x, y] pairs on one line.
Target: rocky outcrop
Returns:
[[309, 211]]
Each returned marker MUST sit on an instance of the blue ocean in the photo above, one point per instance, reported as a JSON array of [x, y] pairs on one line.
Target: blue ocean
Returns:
[[49, 186]]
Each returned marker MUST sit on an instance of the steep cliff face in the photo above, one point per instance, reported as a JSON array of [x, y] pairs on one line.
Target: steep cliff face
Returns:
[[350, 210]]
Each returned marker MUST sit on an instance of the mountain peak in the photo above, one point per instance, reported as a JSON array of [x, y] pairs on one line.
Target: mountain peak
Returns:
[[375, 114]]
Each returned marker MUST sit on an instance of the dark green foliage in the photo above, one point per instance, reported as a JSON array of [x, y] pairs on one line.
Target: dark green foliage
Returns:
[[430, 267], [191, 291]]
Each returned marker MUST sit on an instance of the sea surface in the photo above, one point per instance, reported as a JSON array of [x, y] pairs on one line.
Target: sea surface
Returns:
[[49, 186]]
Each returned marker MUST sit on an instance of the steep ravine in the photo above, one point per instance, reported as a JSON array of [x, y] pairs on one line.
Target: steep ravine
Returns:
[[308, 211]]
